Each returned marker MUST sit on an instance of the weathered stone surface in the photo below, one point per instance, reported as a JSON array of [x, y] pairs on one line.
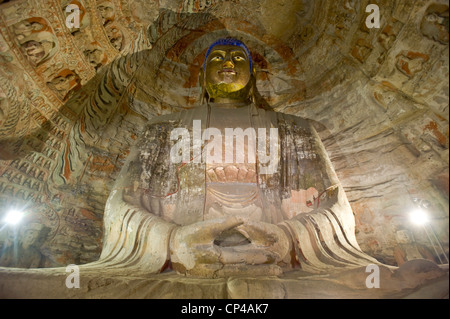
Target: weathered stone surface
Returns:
[[429, 281], [73, 101]]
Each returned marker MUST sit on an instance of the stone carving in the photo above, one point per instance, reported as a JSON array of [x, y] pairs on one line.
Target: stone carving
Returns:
[[344, 17], [361, 50], [435, 23], [408, 249], [23, 251], [388, 35], [95, 55], [115, 36], [108, 115], [238, 220], [25, 28], [409, 63], [64, 83], [143, 11], [193, 6], [106, 12], [36, 39]]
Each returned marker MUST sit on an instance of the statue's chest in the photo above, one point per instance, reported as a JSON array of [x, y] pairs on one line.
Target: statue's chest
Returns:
[[230, 159]]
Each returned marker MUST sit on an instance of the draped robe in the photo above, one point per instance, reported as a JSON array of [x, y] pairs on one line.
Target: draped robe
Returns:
[[153, 194]]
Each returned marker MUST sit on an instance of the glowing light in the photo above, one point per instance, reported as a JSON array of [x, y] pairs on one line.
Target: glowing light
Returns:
[[13, 217], [418, 217]]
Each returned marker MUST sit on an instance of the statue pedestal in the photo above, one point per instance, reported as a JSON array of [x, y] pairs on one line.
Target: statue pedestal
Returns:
[[415, 279]]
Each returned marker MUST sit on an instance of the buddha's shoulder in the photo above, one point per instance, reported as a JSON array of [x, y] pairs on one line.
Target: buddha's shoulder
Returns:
[[284, 118], [177, 118]]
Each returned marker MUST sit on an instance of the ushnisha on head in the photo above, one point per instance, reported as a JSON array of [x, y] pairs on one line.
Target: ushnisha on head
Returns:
[[227, 73]]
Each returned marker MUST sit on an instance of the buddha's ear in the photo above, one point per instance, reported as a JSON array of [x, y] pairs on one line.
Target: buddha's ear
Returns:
[[201, 77], [253, 77], [201, 81]]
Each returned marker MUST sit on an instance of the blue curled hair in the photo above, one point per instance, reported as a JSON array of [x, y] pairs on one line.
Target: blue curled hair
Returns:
[[230, 41]]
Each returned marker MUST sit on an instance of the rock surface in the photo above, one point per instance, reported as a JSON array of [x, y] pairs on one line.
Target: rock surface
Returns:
[[416, 279], [73, 101]]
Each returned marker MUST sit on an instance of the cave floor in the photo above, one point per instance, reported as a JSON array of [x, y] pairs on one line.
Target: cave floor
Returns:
[[414, 280]]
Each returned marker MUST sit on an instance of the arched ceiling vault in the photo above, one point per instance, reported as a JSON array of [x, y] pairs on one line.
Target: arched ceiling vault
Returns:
[[73, 100]]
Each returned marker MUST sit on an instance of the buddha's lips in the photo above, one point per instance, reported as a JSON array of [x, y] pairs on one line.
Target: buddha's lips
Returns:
[[227, 71]]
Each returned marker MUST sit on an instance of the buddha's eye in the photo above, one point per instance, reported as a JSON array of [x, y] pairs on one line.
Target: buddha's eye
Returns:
[[239, 58], [217, 58]]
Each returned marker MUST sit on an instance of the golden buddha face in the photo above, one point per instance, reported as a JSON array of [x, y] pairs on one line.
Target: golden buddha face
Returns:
[[227, 73]]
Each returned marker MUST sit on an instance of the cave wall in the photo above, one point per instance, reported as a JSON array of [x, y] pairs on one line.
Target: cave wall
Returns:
[[73, 101]]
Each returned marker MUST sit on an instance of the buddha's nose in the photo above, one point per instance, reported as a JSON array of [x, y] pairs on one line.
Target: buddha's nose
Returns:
[[228, 64]]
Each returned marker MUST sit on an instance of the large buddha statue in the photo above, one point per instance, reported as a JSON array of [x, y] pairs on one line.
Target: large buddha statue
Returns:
[[229, 188]]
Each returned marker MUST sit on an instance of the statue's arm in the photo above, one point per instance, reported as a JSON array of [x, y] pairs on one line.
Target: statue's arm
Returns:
[[133, 233], [325, 237]]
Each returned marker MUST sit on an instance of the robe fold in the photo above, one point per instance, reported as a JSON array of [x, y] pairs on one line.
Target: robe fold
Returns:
[[154, 194]]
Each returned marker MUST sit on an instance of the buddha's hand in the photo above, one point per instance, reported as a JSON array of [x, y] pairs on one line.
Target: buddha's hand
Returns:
[[269, 244], [192, 246], [193, 251]]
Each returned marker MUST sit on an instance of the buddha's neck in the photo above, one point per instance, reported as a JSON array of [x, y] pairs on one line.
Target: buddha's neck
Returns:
[[229, 103]]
